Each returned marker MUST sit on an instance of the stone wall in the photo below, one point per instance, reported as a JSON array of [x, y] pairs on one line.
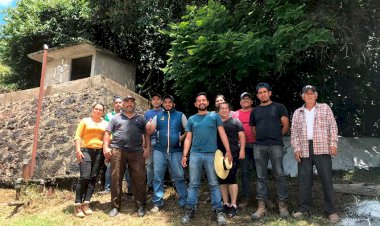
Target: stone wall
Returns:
[[64, 106]]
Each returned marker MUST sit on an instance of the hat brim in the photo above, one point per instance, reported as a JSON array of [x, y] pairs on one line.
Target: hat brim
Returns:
[[222, 166]]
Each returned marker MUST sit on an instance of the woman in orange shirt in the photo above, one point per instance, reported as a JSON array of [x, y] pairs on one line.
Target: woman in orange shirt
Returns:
[[88, 150]]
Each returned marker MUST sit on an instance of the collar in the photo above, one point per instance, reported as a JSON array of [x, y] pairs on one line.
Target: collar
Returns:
[[303, 107]]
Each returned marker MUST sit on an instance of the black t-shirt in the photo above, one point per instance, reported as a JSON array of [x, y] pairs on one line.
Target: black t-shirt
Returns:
[[267, 120], [232, 126]]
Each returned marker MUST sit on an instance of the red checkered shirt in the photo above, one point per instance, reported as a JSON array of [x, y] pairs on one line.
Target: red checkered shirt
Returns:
[[325, 131]]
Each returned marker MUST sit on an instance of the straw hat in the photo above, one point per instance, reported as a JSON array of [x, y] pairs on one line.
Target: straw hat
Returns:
[[222, 166]]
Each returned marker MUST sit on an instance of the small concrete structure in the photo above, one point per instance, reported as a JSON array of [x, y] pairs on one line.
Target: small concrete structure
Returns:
[[84, 60]]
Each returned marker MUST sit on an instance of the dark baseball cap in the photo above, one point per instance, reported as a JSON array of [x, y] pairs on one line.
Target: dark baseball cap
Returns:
[[168, 96], [128, 98], [245, 94], [307, 88], [262, 85], [156, 95]]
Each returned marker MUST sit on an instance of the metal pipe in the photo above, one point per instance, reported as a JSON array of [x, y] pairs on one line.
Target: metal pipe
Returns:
[[40, 97]]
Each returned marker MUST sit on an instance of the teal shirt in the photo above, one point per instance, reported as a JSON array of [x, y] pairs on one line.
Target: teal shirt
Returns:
[[204, 131], [109, 116]]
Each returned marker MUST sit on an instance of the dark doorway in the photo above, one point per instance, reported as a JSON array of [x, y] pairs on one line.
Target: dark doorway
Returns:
[[81, 67]]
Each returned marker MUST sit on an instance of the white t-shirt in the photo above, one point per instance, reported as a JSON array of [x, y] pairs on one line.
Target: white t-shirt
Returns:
[[310, 122]]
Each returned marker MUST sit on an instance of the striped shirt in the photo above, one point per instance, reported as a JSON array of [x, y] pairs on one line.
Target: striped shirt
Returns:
[[325, 131]]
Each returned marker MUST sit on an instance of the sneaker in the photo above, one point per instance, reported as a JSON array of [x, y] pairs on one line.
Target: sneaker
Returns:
[[300, 214], [156, 209], [233, 211], [220, 218], [226, 208], [86, 208], [189, 213], [334, 218], [141, 211]]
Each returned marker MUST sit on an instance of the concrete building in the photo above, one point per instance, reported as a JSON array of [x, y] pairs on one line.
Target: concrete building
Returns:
[[83, 60]]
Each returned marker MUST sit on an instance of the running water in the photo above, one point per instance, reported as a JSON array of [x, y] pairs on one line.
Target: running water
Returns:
[[363, 213]]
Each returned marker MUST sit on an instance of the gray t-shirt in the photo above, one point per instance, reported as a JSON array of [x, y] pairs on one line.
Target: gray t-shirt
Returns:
[[127, 132], [204, 130]]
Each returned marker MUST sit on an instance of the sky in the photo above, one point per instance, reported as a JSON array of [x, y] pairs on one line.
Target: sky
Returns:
[[4, 4]]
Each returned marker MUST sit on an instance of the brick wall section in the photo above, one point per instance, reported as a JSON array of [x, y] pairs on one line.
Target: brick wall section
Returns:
[[63, 107]]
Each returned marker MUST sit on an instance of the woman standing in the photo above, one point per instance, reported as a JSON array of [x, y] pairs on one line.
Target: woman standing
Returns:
[[88, 150], [235, 132]]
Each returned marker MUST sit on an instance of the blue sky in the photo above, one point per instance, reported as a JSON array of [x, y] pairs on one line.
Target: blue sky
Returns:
[[4, 4]]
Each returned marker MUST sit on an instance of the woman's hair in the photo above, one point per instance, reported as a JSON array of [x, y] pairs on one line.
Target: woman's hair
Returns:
[[220, 95], [96, 103]]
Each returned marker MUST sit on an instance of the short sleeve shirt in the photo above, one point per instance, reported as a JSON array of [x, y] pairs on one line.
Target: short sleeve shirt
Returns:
[[127, 132], [267, 120], [204, 131], [232, 126]]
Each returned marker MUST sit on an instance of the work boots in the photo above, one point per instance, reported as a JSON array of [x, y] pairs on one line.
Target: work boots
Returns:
[[283, 208], [78, 210], [86, 208], [261, 210]]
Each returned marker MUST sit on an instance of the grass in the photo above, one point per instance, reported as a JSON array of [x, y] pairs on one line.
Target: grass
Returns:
[[57, 209]]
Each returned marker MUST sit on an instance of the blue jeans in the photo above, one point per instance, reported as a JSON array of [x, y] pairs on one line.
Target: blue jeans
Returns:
[[163, 160], [198, 162], [107, 184], [247, 165], [149, 165], [274, 153]]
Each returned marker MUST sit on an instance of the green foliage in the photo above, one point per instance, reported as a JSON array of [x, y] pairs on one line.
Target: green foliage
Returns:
[[33, 23], [214, 48]]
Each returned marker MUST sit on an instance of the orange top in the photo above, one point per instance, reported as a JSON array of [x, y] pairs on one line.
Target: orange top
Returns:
[[91, 133]]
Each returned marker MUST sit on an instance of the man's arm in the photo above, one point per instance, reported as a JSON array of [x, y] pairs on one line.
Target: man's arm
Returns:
[[295, 136], [186, 148], [226, 144], [285, 125], [253, 129], [106, 149], [333, 132], [241, 135], [147, 145]]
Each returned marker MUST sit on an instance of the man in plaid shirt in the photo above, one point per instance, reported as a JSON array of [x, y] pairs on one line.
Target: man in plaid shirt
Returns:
[[314, 137]]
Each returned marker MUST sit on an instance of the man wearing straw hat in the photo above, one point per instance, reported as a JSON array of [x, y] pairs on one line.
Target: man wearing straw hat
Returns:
[[201, 136], [228, 185]]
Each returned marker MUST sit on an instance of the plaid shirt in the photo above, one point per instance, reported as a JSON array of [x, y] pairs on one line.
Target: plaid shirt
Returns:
[[325, 131]]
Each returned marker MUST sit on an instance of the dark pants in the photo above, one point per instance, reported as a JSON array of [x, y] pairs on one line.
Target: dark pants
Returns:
[[89, 170], [247, 170], [274, 153], [305, 181], [137, 173]]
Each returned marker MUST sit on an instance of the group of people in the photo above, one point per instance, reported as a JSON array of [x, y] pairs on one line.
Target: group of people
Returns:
[[166, 140]]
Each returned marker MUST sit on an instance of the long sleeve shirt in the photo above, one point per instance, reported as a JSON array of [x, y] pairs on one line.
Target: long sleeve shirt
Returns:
[[325, 131]]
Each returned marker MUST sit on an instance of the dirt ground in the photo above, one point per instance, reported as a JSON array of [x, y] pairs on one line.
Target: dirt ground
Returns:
[[39, 209]]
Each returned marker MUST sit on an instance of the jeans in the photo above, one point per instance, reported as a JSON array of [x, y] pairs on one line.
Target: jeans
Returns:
[[247, 165], [149, 165], [136, 168], [89, 170], [163, 160], [274, 153], [305, 181], [199, 162]]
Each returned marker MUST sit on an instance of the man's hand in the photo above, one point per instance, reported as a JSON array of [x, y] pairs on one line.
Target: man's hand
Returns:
[[242, 154], [184, 161], [229, 156], [79, 156], [146, 153], [297, 156], [107, 152], [333, 150]]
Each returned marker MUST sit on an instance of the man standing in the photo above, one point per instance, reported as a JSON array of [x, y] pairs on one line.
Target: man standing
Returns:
[[314, 137], [117, 107], [169, 125], [156, 102], [247, 164], [127, 131], [201, 135], [269, 122]]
